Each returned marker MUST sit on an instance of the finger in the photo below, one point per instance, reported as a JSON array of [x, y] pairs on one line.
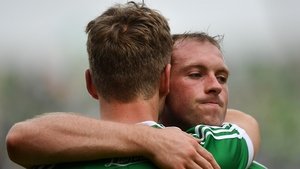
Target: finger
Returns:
[[206, 158], [203, 163], [198, 140], [195, 138], [194, 165]]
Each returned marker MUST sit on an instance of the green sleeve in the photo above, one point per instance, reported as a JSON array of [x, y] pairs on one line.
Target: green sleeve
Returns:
[[229, 144]]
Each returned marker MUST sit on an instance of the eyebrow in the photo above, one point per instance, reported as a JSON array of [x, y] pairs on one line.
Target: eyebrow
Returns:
[[202, 67]]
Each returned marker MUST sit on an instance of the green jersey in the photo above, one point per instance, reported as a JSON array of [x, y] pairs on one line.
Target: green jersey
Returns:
[[229, 144]]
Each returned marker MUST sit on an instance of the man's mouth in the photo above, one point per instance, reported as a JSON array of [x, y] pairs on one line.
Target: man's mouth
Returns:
[[212, 102]]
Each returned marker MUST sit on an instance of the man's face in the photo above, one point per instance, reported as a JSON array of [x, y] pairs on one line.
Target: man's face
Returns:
[[198, 84]]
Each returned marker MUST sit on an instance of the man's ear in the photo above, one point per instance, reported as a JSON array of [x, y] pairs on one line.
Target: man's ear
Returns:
[[90, 84], [165, 81]]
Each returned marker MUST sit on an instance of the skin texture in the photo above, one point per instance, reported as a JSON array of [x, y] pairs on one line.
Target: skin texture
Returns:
[[199, 90], [198, 84]]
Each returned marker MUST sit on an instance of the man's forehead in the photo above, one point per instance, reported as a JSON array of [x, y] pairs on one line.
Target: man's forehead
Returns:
[[195, 54], [184, 49]]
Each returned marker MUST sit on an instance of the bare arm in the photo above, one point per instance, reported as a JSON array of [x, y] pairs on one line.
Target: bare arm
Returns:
[[66, 137], [48, 138], [248, 123]]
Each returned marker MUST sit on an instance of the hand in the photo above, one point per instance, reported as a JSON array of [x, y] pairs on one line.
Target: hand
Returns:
[[172, 148]]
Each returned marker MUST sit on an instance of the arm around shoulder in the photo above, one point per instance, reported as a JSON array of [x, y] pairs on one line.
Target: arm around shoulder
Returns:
[[248, 123], [66, 137]]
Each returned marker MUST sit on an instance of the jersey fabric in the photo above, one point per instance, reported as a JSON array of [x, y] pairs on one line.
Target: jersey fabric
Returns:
[[256, 165], [229, 144]]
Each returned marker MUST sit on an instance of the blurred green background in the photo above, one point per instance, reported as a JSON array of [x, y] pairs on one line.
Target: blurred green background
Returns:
[[43, 59]]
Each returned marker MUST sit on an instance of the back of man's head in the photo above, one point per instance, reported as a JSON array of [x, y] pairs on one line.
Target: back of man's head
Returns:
[[128, 46]]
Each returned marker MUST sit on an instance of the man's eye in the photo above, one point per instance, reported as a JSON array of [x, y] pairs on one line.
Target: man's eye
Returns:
[[195, 75], [222, 79]]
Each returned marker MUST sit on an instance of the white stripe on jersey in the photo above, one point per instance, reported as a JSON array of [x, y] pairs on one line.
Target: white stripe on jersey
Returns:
[[228, 132], [205, 131], [257, 163], [151, 124], [249, 143]]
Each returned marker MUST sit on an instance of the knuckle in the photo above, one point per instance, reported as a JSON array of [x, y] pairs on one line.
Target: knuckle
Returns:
[[191, 153], [194, 143], [209, 157]]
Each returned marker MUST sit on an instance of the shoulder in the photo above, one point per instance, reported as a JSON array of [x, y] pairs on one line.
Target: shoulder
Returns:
[[226, 130], [248, 123], [227, 142]]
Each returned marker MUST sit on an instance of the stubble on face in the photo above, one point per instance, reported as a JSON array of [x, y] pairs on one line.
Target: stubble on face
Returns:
[[198, 86]]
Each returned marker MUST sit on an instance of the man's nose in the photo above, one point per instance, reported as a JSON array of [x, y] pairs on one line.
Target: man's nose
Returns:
[[212, 85]]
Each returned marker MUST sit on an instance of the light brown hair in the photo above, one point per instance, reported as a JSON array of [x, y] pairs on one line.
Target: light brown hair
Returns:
[[199, 36], [128, 46]]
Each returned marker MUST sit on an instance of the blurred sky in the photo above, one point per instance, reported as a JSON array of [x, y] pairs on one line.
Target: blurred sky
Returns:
[[35, 31]]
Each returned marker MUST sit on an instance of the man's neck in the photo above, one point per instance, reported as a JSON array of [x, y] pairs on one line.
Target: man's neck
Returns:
[[133, 112], [168, 119]]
